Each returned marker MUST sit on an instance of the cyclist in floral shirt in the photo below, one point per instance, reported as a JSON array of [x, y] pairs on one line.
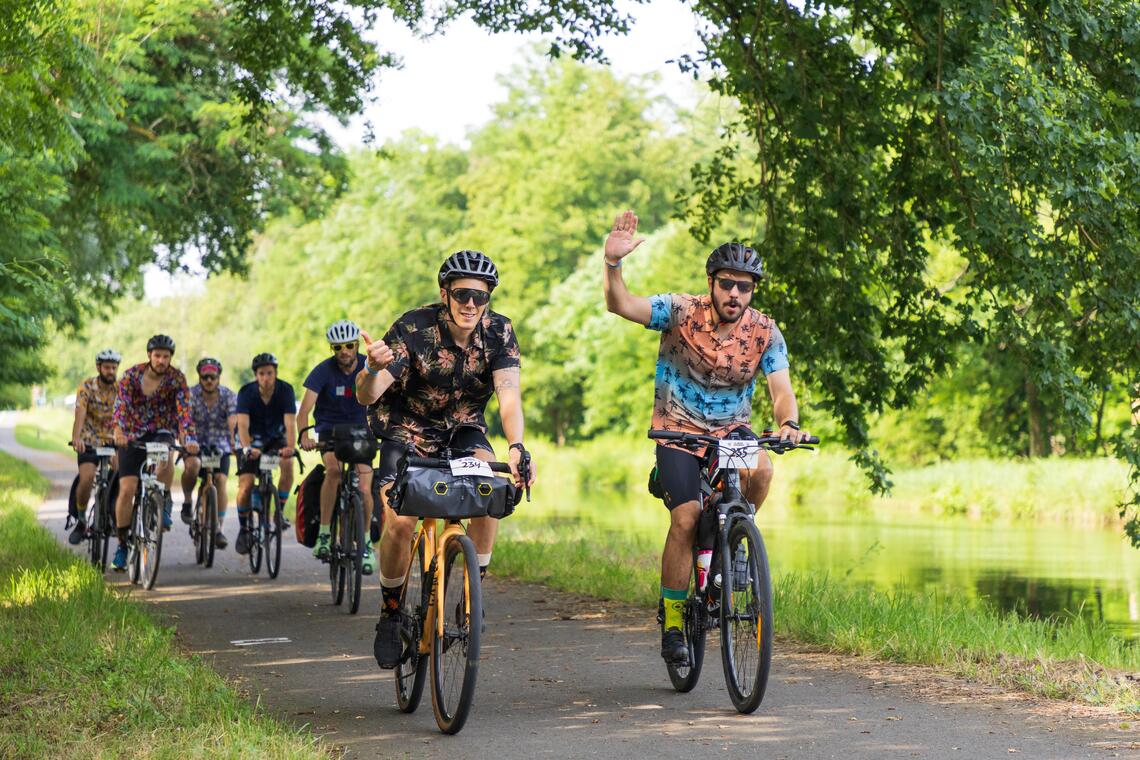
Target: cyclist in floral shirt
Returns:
[[94, 403], [152, 397], [215, 416], [428, 382]]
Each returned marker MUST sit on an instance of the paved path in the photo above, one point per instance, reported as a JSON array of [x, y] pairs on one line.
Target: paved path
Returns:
[[572, 678]]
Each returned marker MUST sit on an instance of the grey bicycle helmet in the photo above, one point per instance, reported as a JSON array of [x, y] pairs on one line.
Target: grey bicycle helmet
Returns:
[[469, 264], [737, 257], [342, 331], [160, 342], [108, 355], [263, 360]]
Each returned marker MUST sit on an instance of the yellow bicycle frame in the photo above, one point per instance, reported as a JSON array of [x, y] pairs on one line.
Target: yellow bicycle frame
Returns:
[[433, 548]]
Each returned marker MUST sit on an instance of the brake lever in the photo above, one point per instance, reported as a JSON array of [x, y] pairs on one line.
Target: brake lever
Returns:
[[524, 472]]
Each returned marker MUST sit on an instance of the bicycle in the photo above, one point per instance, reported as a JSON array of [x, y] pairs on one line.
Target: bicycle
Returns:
[[266, 518], [736, 593], [450, 583], [204, 523], [145, 550], [352, 445], [100, 513]]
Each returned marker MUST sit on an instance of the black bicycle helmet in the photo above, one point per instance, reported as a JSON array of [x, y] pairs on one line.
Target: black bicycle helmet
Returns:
[[737, 257], [209, 361], [469, 264], [263, 360], [161, 342]]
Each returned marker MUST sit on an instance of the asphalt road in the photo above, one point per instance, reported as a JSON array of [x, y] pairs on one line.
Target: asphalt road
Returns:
[[569, 677]]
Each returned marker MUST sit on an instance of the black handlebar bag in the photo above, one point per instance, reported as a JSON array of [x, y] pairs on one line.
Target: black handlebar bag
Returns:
[[354, 444], [430, 492]]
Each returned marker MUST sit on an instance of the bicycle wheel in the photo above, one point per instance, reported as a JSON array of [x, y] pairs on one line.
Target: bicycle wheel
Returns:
[[685, 677], [272, 535], [411, 672], [134, 551], [95, 530], [336, 569], [209, 527], [455, 654], [151, 552], [256, 518], [745, 615], [196, 526], [353, 540]]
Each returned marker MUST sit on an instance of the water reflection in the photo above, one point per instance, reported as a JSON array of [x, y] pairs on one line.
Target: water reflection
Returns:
[[1028, 568]]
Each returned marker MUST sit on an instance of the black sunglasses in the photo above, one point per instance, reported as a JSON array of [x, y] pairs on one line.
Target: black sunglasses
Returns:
[[463, 295], [207, 377], [728, 283], [338, 346]]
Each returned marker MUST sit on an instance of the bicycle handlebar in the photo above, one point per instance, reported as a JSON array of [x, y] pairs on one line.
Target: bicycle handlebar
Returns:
[[692, 440]]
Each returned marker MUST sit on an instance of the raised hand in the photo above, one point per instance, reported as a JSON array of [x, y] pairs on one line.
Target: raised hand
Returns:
[[621, 241], [379, 355]]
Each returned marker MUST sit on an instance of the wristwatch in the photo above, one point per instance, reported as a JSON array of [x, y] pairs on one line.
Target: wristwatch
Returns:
[[792, 424]]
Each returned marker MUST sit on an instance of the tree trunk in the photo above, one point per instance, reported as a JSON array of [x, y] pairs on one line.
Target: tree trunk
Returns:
[[1038, 443]]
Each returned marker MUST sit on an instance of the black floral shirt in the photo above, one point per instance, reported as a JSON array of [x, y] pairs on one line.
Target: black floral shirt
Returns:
[[439, 385]]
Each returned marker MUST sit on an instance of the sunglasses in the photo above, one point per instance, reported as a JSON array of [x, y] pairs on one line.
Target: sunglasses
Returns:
[[338, 346], [727, 284], [464, 295], [207, 377]]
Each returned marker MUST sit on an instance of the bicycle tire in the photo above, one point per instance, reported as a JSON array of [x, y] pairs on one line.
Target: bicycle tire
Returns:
[[152, 539], [272, 535], [336, 569], [256, 527], [209, 530], [95, 531], [411, 673], [745, 615], [196, 523], [133, 546], [354, 551], [455, 655], [684, 678]]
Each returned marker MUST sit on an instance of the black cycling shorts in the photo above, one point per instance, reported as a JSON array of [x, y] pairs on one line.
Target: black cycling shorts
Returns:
[[131, 460], [464, 439], [88, 456]]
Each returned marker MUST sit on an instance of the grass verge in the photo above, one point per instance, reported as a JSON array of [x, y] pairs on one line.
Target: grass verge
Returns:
[[85, 672], [1065, 659]]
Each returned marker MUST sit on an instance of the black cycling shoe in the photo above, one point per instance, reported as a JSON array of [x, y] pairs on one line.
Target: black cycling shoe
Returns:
[[186, 515], [77, 534], [242, 541], [387, 646], [220, 541], [673, 649]]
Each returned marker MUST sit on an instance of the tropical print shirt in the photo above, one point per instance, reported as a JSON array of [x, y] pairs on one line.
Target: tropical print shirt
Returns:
[[98, 399], [704, 383], [210, 422], [168, 408], [439, 385]]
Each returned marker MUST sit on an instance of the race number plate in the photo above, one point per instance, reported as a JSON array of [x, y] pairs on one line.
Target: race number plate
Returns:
[[471, 466], [212, 461], [268, 462], [104, 451], [738, 455], [157, 451]]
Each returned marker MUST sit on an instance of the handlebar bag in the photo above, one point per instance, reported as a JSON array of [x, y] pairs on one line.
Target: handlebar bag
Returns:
[[353, 443], [430, 492]]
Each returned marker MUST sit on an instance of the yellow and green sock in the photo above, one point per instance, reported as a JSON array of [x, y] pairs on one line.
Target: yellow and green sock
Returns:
[[674, 602]]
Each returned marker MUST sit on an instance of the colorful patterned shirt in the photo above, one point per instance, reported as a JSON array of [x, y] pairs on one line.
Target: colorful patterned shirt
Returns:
[[438, 384], [98, 399], [210, 422], [704, 383], [168, 408]]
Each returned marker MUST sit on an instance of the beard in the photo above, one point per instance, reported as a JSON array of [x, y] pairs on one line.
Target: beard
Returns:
[[103, 379], [724, 317]]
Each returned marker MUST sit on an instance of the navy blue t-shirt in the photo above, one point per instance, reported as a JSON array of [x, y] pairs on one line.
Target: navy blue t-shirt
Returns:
[[267, 421], [336, 395]]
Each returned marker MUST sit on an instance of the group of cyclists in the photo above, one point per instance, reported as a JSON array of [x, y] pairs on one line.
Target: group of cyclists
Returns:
[[426, 384]]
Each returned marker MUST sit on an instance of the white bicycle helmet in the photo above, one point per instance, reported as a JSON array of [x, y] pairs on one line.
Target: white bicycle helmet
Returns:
[[343, 331], [108, 355]]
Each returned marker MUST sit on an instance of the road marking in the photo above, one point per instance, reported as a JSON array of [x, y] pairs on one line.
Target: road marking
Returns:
[[259, 642]]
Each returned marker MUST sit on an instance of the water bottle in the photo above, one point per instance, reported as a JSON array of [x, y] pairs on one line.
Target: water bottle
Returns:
[[704, 559]]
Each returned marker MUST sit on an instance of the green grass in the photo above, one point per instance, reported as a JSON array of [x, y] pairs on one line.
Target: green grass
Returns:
[[46, 428], [1068, 659], [85, 672]]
